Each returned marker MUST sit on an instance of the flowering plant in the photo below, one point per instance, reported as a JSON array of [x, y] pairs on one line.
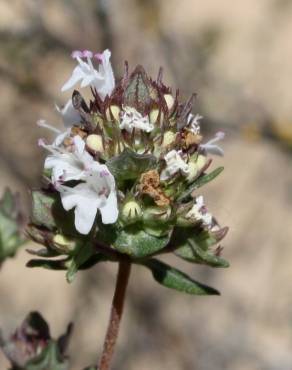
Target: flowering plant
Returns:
[[121, 183]]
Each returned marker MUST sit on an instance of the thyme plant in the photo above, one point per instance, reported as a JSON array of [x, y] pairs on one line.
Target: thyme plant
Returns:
[[121, 184]]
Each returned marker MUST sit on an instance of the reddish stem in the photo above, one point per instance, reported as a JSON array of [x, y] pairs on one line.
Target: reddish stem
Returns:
[[116, 315]]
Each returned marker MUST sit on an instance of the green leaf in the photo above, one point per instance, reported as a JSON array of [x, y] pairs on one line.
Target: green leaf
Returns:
[[48, 264], [132, 240], [42, 209], [193, 246], [130, 165], [175, 279], [7, 203], [10, 233], [203, 238], [199, 182], [138, 243], [49, 359], [82, 255], [193, 253], [48, 212]]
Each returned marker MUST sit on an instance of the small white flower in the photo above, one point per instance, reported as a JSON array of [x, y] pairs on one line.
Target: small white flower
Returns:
[[174, 164], [98, 192], [194, 123], [103, 79], [211, 148], [131, 118], [199, 213], [67, 165], [70, 115]]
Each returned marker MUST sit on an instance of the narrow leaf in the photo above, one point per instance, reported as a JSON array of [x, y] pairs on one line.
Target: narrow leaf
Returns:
[[48, 264], [175, 279], [199, 182]]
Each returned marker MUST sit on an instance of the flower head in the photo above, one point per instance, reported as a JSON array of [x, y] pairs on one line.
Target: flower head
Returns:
[[127, 168]]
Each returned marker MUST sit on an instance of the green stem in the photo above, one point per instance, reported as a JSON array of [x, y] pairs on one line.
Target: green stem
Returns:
[[116, 315]]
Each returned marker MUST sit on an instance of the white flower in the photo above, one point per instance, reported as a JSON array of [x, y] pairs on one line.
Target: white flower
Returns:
[[103, 79], [194, 123], [98, 192], [131, 118], [70, 115], [174, 164], [67, 165], [211, 147], [199, 213]]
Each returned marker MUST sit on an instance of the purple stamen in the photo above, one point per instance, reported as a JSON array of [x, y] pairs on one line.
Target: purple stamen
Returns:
[[220, 135], [41, 142], [76, 54], [87, 54], [98, 56]]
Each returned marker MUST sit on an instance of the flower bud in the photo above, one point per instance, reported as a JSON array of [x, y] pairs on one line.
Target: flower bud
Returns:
[[94, 143], [153, 116], [169, 101], [131, 211], [154, 215], [193, 171], [63, 244], [113, 111], [201, 161], [168, 138], [195, 167]]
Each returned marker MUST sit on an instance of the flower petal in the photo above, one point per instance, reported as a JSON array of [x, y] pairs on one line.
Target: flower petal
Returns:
[[77, 75], [85, 202], [70, 115], [109, 211]]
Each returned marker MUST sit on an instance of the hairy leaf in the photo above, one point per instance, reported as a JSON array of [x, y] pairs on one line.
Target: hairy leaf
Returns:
[[175, 279], [130, 165], [138, 243], [193, 246], [42, 209]]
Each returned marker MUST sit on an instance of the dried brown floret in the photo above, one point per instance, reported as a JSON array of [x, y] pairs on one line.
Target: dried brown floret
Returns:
[[150, 185]]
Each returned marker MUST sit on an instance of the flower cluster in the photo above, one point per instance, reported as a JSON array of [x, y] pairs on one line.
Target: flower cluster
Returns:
[[128, 164]]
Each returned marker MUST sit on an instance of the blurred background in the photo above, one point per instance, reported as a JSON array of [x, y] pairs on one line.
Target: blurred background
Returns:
[[237, 56]]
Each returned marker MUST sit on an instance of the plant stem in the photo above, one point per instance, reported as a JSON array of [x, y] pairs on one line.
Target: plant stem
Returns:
[[116, 315]]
